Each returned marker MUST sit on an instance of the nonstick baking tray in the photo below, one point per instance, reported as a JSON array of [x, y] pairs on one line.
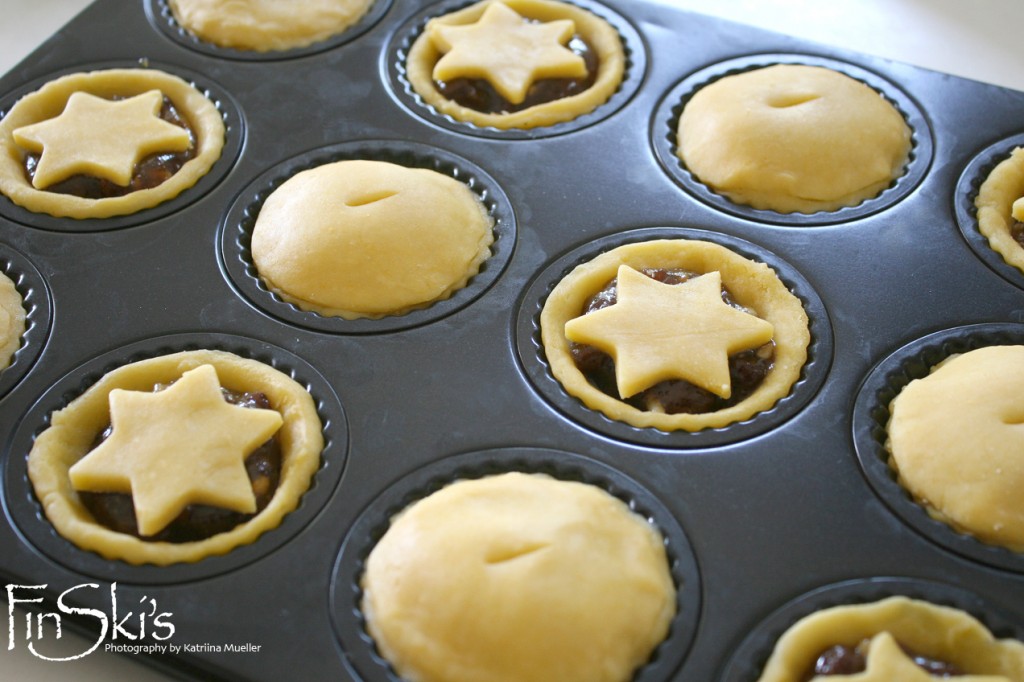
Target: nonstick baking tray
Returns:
[[764, 520]]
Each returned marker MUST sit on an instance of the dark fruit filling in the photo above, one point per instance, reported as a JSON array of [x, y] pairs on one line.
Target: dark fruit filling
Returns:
[[116, 511], [478, 94], [1017, 232], [747, 370], [149, 172], [847, 660]]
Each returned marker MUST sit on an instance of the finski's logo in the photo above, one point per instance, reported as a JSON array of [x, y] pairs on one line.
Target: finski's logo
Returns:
[[146, 621]]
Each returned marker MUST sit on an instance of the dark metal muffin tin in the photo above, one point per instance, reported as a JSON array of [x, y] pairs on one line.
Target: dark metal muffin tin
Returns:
[[784, 507]]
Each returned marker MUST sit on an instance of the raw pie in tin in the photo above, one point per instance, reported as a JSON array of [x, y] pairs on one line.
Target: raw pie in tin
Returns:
[[895, 639], [643, 334], [1000, 205], [793, 138], [955, 442], [368, 239], [518, 577], [266, 25], [12, 320], [107, 143], [178, 457], [516, 63]]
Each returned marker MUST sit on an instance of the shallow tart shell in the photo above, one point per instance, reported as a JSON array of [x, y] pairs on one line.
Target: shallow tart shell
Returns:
[[73, 430], [1003, 186], [939, 632], [752, 285], [48, 102], [599, 35]]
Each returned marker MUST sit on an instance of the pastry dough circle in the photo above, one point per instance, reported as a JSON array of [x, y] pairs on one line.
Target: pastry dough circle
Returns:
[[518, 577], [793, 138], [74, 428], [48, 102], [753, 285], [1003, 186], [266, 25], [12, 320], [956, 443], [598, 33], [938, 632], [369, 238]]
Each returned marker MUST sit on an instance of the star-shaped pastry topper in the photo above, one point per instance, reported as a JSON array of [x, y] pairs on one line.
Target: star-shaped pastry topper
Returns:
[[505, 49], [100, 137], [657, 331], [1018, 210], [887, 662], [179, 446]]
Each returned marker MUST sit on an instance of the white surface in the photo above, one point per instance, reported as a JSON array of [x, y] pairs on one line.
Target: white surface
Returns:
[[978, 39]]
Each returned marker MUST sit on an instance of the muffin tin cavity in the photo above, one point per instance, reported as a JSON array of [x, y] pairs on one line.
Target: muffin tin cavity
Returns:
[[36, 302], [25, 510], [536, 367], [238, 224], [748, 659], [234, 134], [346, 594], [665, 123], [871, 417], [161, 17], [975, 173], [463, 387], [397, 50]]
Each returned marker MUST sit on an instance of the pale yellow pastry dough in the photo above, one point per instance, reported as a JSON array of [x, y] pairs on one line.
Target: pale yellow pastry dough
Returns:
[[694, 334], [793, 138], [369, 239], [73, 430], [12, 320], [144, 456], [755, 286], [956, 439], [508, 60], [518, 577], [133, 130], [1001, 201], [940, 633], [81, 139], [506, 50], [265, 25]]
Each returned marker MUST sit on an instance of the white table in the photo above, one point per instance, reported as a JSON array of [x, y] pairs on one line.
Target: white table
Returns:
[[979, 40]]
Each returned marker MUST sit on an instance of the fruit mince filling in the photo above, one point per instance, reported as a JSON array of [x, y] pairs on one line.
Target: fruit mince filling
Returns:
[[151, 171], [116, 511], [479, 95], [747, 370], [1017, 231], [851, 660]]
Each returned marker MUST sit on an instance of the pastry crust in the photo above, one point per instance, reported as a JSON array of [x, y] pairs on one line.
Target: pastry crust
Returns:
[[49, 101], [599, 35], [12, 320], [360, 238], [266, 25], [753, 285], [956, 444], [995, 203], [518, 577], [793, 138], [938, 632], [74, 428]]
